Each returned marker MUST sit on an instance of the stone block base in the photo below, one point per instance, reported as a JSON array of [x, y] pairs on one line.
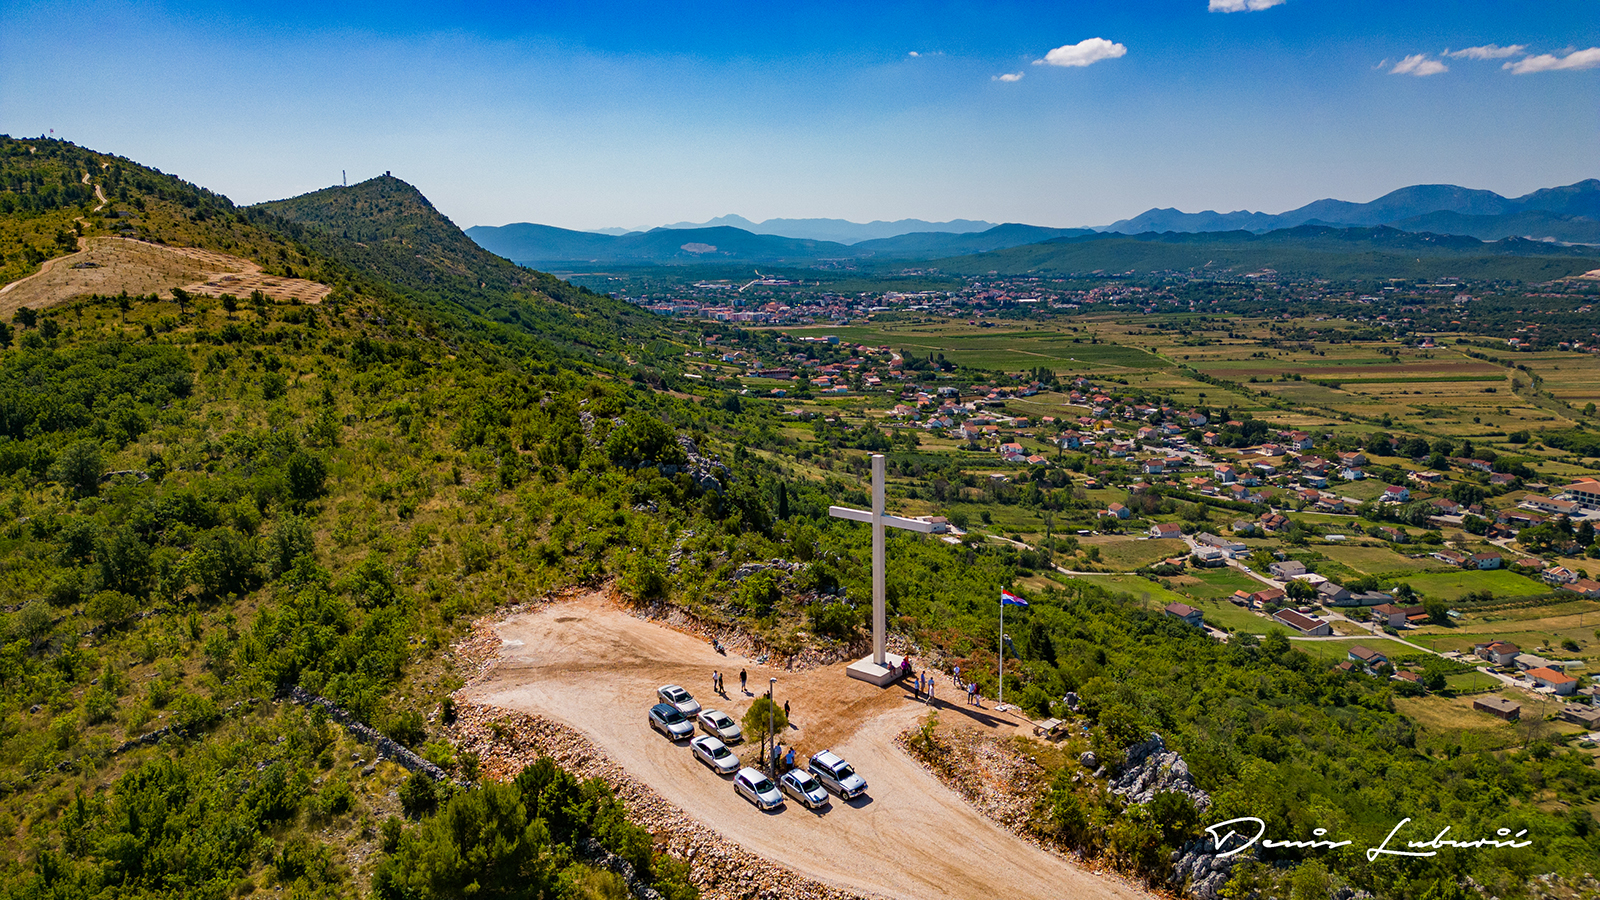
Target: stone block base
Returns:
[[866, 670]]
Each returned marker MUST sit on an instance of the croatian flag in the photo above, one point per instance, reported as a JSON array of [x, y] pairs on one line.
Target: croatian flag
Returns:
[[1009, 599]]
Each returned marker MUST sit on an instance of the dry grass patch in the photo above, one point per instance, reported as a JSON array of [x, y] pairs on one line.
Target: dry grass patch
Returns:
[[111, 265]]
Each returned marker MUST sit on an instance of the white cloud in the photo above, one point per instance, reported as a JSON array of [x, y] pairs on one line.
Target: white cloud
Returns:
[[1009, 76], [1545, 62], [1419, 65], [1487, 51], [1083, 53], [1227, 6], [914, 53]]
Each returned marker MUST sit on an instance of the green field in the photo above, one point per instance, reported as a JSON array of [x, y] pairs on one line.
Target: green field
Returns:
[[1471, 681], [1127, 554], [1234, 618], [1220, 583], [1370, 560], [1335, 651], [1453, 584], [1142, 588]]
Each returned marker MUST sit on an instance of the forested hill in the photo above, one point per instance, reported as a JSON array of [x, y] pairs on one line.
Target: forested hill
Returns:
[[381, 238], [386, 228]]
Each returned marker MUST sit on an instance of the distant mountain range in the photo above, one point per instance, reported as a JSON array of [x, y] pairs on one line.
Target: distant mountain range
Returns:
[[545, 245], [839, 231], [1569, 214], [1425, 221]]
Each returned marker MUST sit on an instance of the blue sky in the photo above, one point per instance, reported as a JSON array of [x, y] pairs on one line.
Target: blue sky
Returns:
[[596, 114]]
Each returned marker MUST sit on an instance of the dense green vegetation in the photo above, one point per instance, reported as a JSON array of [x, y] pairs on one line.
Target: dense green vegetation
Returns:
[[205, 506], [1304, 252]]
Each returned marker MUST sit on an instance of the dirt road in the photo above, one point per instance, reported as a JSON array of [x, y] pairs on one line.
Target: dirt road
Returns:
[[593, 667]]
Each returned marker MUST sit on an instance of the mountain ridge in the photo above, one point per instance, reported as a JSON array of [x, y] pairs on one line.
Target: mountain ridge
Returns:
[[841, 231], [533, 244], [1405, 208]]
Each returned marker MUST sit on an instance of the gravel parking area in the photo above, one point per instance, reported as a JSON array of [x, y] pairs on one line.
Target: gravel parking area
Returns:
[[588, 666]]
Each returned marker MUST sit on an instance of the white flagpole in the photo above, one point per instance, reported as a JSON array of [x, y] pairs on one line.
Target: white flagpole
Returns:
[[1002, 690]]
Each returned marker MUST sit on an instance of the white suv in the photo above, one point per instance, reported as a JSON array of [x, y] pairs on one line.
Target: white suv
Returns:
[[837, 775]]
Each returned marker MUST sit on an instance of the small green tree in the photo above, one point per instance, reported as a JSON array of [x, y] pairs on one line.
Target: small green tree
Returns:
[[307, 473], [78, 468], [757, 717], [112, 608], [1438, 611]]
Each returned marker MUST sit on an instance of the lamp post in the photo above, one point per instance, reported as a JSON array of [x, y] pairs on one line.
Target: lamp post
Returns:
[[772, 701]]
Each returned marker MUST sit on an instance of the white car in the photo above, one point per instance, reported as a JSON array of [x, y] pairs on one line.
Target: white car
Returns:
[[754, 786], [720, 725], [678, 698], [715, 754], [805, 789]]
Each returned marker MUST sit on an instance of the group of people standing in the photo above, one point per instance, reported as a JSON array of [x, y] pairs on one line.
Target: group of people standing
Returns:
[[717, 687], [922, 687]]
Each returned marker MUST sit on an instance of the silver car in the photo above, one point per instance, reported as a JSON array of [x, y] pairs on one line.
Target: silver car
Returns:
[[806, 790], [720, 725], [752, 785], [667, 720], [678, 698], [715, 754]]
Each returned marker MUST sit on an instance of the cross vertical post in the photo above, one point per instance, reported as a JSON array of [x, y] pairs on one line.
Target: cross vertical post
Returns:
[[878, 668], [879, 575]]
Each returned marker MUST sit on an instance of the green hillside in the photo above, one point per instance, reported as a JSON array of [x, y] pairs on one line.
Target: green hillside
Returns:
[[1304, 252], [208, 508], [388, 232]]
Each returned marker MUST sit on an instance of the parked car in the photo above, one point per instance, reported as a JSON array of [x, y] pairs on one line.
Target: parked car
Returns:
[[720, 725], [805, 789], [678, 698], [836, 775], [667, 720], [754, 786], [715, 754]]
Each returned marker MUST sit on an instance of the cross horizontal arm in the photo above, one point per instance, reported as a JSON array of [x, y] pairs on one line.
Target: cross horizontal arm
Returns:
[[845, 512], [862, 515]]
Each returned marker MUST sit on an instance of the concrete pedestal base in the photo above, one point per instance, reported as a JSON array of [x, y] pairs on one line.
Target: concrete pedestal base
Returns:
[[866, 670]]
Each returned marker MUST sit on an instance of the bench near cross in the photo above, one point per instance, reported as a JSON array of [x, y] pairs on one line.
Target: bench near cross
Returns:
[[880, 668]]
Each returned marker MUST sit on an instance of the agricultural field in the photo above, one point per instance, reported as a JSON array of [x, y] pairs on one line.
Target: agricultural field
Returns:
[[1369, 560], [1124, 554], [1217, 583], [1472, 682], [1567, 377], [1153, 594], [1455, 718], [1452, 584], [1545, 625], [1234, 618], [1337, 650]]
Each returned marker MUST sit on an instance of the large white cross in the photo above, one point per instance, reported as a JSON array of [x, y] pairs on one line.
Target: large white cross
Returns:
[[878, 520]]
